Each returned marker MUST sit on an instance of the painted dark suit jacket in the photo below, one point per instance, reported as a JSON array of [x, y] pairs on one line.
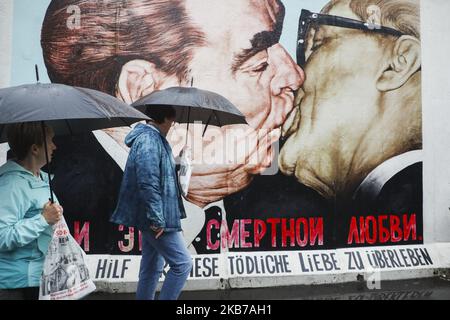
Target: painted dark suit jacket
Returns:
[[283, 197], [87, 183]]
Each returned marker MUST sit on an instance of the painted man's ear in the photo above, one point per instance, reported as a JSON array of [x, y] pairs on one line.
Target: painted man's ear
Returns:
[[405, 61], [137, 79]]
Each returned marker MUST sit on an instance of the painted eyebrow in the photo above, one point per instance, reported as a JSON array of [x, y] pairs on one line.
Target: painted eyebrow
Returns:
[[260, 41]]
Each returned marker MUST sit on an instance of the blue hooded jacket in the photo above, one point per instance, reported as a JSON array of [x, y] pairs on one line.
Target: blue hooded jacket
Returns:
[[149, 193], [24, 233]]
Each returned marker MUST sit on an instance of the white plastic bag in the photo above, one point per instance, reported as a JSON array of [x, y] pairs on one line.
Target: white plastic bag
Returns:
[[65, 275], [184, 175]]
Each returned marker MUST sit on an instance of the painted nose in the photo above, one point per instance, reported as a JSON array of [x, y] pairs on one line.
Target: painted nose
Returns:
[[289, 76]]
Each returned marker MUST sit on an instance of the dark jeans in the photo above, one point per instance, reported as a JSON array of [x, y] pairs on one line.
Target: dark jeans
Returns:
[[31, 293]]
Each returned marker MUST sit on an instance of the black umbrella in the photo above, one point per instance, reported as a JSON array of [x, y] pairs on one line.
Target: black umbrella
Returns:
[[192, 104], [67, 109]]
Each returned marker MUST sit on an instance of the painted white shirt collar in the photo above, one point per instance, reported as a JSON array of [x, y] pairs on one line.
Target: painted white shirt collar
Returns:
[[371, 186]]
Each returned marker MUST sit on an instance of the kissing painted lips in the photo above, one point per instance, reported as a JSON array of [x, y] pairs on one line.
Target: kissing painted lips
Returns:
[[292, 122]]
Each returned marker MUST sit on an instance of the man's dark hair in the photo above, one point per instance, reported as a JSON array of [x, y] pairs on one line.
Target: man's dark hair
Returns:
[[21, 136], [112, 33], [160, 113]]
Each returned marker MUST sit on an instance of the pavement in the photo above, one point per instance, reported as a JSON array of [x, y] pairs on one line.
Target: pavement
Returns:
[[417, 289]]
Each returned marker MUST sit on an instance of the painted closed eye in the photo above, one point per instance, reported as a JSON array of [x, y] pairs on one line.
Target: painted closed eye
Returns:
[[256, 64], [261, 68], [256, 68]]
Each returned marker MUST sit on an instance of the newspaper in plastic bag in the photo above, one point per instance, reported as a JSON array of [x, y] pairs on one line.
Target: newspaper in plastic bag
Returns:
[[65, 275], [185, 172]]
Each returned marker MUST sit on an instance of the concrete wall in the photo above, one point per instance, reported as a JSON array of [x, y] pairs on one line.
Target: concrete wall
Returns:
[[6, 14], [436, 131], [436, 119]]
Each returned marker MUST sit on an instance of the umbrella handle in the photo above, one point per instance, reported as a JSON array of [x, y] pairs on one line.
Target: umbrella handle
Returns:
[[48, 163], [187, 129], [207, 124]]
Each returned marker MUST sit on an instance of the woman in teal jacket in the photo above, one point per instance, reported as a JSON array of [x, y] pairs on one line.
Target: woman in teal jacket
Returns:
[[26, 214]]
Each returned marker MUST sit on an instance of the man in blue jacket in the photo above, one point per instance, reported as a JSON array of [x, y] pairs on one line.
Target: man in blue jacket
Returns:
[[150, 200]]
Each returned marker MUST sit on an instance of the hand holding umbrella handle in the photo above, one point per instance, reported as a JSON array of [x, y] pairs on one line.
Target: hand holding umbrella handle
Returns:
[[52, 213]]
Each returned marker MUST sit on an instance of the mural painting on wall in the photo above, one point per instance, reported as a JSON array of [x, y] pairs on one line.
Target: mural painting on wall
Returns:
[[331, 155]]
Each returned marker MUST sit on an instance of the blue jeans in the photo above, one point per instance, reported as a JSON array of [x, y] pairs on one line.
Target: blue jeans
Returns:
[[171, 248]]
